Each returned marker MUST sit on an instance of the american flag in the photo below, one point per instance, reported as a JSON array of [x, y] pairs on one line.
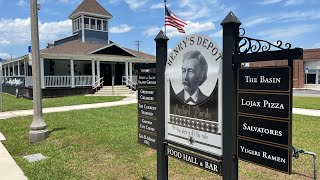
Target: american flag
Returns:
[[172, 20]]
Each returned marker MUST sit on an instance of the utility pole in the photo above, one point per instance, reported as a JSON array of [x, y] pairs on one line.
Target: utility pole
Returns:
[[138, 44], [38, 128]]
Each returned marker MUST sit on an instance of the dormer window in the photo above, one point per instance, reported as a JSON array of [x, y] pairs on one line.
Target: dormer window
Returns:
[[90, 23], [86, 23], [93, 23], [99, 22], [105, 25], [76, 24]]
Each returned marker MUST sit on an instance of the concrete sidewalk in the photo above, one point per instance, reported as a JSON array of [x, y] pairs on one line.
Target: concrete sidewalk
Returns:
[[8, 167], [306, 112], [130, 99]]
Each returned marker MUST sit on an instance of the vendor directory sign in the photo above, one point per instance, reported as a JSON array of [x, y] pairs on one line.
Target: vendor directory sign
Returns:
[[193, 82]]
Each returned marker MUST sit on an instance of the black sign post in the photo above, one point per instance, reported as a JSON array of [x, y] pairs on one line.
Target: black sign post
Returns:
[[230, 26], [161, 58]]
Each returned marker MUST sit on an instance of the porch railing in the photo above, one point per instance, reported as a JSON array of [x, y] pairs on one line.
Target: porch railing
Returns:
[[66, 81], [132, 84], [57, 81], [50, 81], [83, 80]]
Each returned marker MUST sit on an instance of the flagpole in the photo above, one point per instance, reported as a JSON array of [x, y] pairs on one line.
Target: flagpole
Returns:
[[165, 5]]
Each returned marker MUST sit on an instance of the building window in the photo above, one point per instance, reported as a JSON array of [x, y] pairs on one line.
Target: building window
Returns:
[[73, 26], [86, 23], [93, 23], [105, 25], [99, 27], [310, 77], [80, 24]]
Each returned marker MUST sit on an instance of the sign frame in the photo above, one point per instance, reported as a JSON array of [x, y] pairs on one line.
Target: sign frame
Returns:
[[268, 67]]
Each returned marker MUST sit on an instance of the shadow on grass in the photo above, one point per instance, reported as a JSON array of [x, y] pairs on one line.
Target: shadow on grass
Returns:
[[144, 178], [56, 129], [297, 173]]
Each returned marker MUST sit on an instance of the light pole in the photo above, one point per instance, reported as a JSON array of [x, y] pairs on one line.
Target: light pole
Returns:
[[38, 128]]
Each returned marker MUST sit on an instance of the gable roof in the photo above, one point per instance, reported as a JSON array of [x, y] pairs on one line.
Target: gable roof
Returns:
[[90, 7], [73, 47], [109, 46]]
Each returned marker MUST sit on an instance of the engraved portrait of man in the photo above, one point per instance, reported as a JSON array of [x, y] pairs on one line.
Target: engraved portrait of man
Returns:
[[194, 74]]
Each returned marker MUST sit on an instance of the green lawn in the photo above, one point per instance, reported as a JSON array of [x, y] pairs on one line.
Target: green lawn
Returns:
[[11, 103], [102, 144], [306, 102]]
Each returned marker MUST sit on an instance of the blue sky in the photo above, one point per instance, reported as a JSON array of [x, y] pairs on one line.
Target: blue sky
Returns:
[[293, 21]]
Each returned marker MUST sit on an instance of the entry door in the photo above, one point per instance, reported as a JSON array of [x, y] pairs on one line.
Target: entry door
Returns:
[[106, 73], [119, 71]]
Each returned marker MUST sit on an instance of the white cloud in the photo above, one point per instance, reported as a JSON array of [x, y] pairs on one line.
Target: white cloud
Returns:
[[4, 42], [64, 1], [136, 4], [293, 16], [17, 31], [51, 31], [122, 28], [133, 4], [157, 6], [285, 33], [22, 3], [293, 2], [194, 9], [255, 21], [217, 34], [267, 2], [152, 31], [191, 28], [4, 55]]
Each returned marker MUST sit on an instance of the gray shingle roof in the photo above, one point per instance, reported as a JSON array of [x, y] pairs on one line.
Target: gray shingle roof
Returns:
[[92, 7]]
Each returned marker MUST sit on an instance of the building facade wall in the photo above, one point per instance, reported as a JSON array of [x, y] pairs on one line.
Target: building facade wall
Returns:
[[98, 37]]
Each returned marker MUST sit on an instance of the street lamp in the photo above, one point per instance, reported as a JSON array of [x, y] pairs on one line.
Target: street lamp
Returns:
[[38, 128]]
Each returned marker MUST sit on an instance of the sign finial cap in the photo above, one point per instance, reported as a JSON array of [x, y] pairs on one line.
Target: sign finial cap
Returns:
[[161, 35], [230, 18]]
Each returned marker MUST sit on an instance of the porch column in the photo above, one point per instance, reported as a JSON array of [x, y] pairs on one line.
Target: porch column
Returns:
[[18, 68], [9, 73], [25, 68], [42, 74], [126, 69], [93, 71], [130, 69], [5, 70], [317, 76], [98, 70], [13, 69], [72, 72]]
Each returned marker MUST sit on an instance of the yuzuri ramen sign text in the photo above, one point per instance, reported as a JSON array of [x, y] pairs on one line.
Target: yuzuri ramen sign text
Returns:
[[193, 95]]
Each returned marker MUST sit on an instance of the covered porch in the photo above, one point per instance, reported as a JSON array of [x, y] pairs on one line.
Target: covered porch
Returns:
[[70, 73]]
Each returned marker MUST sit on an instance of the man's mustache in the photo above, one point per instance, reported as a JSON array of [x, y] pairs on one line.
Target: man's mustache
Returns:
[[186, 83]]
